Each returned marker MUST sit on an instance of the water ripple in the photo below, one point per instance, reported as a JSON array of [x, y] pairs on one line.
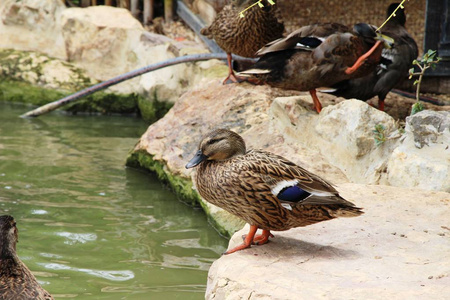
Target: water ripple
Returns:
[[73, 238], [110, 275]]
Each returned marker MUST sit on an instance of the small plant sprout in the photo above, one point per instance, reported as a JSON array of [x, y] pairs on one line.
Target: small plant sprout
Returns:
[[241, 14], [379, 134], [429, 60]]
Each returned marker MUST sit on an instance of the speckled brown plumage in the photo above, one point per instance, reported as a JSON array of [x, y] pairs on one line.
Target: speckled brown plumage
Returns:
[[16, 280], [244, 36], [245, 184], [317, 55]]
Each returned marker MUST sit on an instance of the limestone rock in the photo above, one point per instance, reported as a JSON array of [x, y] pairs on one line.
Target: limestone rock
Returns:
[[428, 126], [342, 133], [106, 47], [32, 25], [102, 39], [41, 70], [423, 157], [397, 250]]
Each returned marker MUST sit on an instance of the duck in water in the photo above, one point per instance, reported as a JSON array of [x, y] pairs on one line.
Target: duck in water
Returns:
[[16, 280]]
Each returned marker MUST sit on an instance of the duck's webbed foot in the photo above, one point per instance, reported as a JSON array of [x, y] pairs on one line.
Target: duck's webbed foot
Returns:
[[262, 238], [233, 78], [248, 241]]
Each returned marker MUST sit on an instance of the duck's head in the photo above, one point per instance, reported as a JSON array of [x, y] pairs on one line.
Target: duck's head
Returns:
[[399, 15], [370, 34], [219, 144], [365, 30], [9, 236]]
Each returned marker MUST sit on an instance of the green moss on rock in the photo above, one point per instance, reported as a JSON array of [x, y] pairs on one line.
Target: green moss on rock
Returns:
[[34, 78], [152, 110], [17, 91]]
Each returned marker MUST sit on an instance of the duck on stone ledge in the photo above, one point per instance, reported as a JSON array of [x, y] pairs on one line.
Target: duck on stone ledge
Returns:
[[244, 35], [16, 280], [265, 190]]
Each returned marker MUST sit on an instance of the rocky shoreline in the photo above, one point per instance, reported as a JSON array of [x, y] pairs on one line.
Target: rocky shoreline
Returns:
[[402, 179]]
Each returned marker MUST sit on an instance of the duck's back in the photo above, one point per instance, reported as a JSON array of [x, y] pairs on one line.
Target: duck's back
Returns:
[[18, 283], [313, 56]]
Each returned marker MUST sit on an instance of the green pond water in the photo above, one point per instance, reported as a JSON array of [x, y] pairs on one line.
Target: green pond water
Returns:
[[90, 228]]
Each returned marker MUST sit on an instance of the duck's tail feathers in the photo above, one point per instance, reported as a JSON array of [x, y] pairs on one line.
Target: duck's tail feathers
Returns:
[[254, 72], [206, 32], [346, 212]]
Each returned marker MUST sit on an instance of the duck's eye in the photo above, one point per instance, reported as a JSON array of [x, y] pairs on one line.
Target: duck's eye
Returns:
[[213, 141]]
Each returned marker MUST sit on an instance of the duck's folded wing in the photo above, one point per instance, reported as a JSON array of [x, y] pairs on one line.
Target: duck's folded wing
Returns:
[[307, 38], [290, 183]]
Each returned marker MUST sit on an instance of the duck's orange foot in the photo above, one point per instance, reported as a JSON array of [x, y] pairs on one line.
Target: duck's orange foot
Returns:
[[263, 238], [232, 78], [242, 246], [248, 240]]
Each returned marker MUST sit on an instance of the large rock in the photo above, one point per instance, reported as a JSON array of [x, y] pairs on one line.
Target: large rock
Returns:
[[41, 70], [109, 41], [342, 133], [397, 250], [32, 25], [423, 157], [106, 42]]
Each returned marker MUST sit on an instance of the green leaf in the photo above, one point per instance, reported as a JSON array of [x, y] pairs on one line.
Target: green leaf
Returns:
[[417, 107]]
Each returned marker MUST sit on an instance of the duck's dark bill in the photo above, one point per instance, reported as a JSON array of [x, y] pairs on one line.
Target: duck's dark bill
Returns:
[[198, 158]]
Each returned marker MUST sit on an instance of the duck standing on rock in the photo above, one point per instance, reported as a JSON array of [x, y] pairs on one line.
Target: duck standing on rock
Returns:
[[265, 190], [16, 280], [318, 55], [393, 68], [247, 34]]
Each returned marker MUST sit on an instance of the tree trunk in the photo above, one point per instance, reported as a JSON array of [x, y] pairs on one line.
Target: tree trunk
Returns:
[[134, 8], [148, 11], [168, 10]]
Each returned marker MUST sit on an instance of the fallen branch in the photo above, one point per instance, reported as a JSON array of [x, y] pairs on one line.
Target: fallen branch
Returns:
[[103, 85]]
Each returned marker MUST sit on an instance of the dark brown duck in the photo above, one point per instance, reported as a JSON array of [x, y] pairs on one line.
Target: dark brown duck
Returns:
[[393, 68], [16, 280], [318, 55]]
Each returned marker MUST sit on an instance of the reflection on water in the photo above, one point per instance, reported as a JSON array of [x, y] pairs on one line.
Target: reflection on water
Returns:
[[89, 227]]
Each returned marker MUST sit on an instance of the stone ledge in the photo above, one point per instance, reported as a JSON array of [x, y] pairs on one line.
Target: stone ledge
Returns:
[[397, 250]]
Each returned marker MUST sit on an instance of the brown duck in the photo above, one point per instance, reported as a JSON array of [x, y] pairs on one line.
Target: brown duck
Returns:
[[265, 190], [318, 55], [244, 35], [393, 68], [16, 280]]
